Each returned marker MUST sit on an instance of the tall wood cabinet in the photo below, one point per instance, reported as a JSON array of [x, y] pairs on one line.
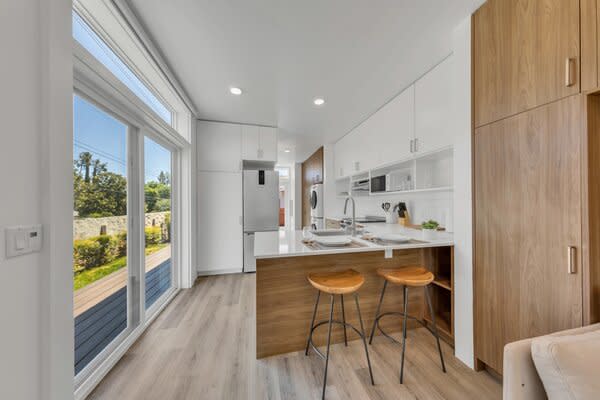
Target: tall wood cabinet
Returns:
[[527, 55], [312, 172], [536, 144], [528, 277]]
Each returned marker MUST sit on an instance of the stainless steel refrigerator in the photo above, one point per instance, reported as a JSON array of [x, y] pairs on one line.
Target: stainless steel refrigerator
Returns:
[[261, 209]]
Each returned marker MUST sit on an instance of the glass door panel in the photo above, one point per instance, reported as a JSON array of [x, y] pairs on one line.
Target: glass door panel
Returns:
[[157, 207], [100, 222]]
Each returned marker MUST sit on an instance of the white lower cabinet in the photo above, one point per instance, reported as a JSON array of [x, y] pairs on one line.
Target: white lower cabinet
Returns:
[[220, 231]]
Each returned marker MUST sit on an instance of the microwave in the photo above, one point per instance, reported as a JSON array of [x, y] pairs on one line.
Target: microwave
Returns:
[[378, 183], [397, 180]]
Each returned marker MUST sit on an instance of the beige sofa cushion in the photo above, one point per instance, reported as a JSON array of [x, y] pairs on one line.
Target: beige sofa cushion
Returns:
[[568, 365]]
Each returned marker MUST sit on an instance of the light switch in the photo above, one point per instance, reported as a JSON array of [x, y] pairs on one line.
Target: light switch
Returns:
[[22, 240]]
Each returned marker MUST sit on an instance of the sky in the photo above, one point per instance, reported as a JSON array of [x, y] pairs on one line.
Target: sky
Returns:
[[106, 138]]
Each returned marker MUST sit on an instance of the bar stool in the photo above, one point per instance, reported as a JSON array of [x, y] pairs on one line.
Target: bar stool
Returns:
[[414, 276], [343, 282]]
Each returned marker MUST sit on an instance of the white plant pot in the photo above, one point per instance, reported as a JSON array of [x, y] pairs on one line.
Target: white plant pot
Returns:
[[429, 234]]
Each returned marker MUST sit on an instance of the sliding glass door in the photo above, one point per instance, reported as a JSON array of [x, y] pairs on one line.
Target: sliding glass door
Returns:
[[101, 271], [158, 194], [123, 218]]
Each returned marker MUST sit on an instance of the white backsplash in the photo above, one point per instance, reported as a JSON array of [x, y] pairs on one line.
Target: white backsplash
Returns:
[[421, 206]]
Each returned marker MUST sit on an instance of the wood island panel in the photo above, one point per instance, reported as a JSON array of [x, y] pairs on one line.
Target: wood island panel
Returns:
[[285, 299]]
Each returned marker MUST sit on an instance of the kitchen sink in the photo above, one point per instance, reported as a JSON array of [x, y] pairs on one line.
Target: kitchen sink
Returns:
[[330, 232]]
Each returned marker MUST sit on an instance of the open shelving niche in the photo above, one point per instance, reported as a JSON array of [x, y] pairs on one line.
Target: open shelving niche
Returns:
[[442, 293], [428, 172]]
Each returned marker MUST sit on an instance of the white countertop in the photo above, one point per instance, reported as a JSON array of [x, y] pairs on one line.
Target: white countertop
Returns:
[[288, 243]]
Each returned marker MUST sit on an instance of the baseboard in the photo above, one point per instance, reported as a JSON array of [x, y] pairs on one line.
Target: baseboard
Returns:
[[225, 271]]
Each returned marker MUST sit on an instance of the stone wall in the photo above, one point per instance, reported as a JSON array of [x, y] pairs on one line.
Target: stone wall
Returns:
[[84, 228]]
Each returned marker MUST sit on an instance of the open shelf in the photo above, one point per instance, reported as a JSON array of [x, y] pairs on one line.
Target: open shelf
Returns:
[[442, 282], [442, 322], [440, 261]]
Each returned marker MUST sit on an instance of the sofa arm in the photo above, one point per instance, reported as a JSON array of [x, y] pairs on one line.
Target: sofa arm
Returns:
[[520, 378]]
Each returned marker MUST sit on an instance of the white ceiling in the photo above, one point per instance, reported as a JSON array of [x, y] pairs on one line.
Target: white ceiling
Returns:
[[356, 54]]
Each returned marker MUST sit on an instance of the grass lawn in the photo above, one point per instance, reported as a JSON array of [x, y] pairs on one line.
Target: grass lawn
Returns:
[[84, 278]]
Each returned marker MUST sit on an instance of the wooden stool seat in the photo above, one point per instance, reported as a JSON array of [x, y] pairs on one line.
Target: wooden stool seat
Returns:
[[408, 276], [341, 282]]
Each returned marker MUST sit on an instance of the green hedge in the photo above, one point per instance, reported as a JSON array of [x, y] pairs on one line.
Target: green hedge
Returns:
[[153, 235], [100, 250], [95, 251]]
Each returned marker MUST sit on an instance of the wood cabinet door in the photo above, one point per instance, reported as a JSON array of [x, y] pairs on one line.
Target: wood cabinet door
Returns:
[[520, 53], [527, 214]]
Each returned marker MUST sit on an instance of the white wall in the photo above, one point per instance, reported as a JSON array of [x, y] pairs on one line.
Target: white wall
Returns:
[[36, 339], [463, 205], [421, 206]]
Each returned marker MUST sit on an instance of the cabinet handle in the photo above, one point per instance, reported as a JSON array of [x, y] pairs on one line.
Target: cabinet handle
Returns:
[[571, 260], [411, 145], [568, 75], [416, 145]]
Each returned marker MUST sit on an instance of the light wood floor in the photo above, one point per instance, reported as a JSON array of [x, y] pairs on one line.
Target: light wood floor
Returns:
[[203, 347]]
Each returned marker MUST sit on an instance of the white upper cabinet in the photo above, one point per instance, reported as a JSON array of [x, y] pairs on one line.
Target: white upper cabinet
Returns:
[[417, 121], [268, 143], [397, 127], [219, 146], [433, 108], [250, 142], [340, 155], [259, 143]]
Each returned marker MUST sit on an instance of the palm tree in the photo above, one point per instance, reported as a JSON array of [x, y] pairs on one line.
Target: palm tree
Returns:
[[84, 163]]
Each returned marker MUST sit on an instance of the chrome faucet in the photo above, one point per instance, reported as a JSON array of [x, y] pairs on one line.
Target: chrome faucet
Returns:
[[353, 213]]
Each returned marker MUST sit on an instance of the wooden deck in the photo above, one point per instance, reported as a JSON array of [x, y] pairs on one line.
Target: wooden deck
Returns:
[[103, 321], [90, 295]]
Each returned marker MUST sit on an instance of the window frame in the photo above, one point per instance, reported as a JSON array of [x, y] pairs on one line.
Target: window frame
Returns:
[[130, 69], [96, 84]]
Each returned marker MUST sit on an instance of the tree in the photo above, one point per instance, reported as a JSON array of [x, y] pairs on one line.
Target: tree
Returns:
[[164, 178], [99, 167], [84, 162]]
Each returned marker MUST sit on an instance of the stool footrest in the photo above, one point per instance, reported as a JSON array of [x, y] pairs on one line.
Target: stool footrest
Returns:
[[321, 323], [401, 314]]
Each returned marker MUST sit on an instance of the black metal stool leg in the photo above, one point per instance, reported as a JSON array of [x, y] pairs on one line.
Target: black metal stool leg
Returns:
[[404, 332], [364, 339], [328, 345], [344, 320], [377, 312], [437, 336], [312, 322]]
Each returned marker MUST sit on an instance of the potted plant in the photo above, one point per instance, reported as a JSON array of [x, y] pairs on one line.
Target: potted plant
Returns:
[[429, 228]]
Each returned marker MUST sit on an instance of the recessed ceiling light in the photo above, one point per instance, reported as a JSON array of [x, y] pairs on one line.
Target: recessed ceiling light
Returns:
[[235, 90], [287, 150], [319, 102]]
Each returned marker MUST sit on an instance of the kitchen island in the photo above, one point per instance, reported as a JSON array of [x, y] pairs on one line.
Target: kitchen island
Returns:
[[285, 299]]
